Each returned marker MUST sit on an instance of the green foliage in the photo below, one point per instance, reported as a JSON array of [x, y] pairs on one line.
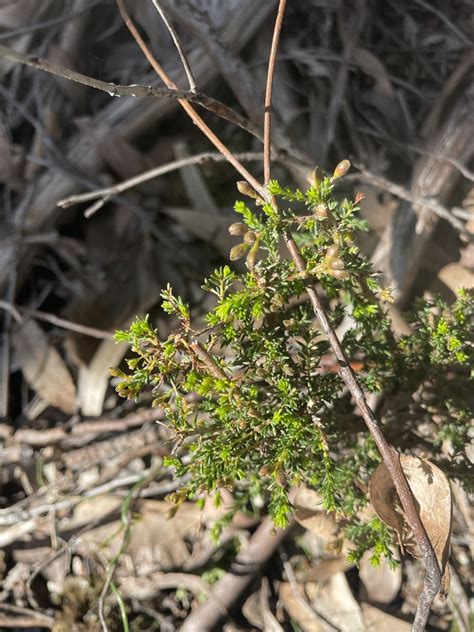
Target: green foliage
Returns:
[[254, 400]]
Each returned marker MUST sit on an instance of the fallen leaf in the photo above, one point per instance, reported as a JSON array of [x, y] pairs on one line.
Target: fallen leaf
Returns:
[[257, 610], [334, 602], [299, 610], [95, 377], [432, 493], [381, 582], [455, 276], [310, 514], [379, 621], [43, 368]]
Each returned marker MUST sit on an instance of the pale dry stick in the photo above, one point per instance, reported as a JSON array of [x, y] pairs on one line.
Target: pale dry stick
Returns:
[[24, 618], [301, 600], [14, 516], [117, 90], [52, 436], [177, 43], [389, 455], [403, 194], [46, 24], [108, 192], [338, 87], [416, 149], [54, 320], [93, 332], [261, 547]]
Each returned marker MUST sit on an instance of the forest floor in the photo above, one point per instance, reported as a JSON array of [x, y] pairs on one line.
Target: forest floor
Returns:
[[87, 539]]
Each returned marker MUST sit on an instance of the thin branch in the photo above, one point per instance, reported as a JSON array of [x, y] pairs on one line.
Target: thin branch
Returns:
[[11, 309], [463, 38], [93, 332], [403, 194], [108, 192], [177, 43], [188, 108], [16, 311], [135, 90], [267, 115]]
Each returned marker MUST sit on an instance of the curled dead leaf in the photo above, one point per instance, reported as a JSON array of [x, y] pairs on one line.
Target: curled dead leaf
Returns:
[[43, 368], [432, 493]]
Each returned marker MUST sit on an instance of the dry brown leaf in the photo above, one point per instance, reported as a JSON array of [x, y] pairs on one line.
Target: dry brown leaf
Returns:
[[257, 610], [379, 621], [372, 66], [299, 610], [432, 493], [157, 542], [310, 514], [43, 368], [94, 378], [335, 603], [455, 276], [381, 582]]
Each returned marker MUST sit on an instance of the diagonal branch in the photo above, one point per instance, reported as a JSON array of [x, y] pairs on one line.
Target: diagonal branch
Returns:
[[177, 43], [135, 90]]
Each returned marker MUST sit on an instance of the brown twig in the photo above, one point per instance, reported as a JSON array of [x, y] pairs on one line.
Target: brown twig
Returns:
[[118, 90], [177, 43], [108, 192], [403, 194], [15, 311], [24, 618], [267, 115]]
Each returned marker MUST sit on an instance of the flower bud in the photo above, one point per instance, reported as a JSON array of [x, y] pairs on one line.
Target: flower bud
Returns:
[[321, 212], [315, 177], [245, 188], [238, 229], [252, 255], [276, 303], [250, 237], [238, 251], [332, 251], [171, 512], [340, 274], [337, 264], [341, 169], [280, 478]]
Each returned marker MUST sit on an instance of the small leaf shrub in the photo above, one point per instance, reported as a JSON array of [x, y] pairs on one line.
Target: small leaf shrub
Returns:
[[254, 398]]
